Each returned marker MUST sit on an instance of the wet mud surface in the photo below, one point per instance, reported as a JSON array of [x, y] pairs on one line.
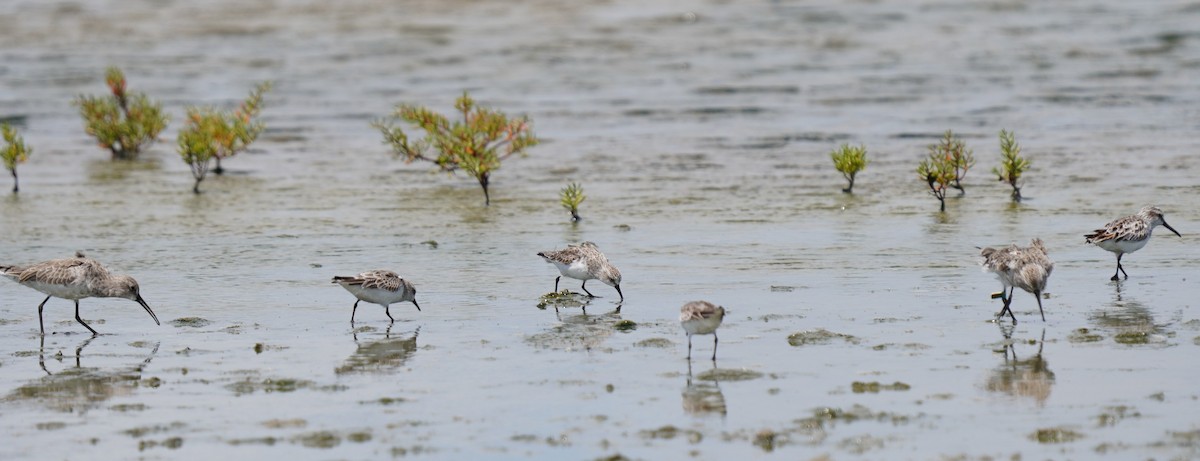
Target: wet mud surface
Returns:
[[859, 325]]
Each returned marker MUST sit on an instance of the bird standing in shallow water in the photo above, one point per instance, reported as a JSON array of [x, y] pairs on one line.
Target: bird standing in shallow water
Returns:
[[584, 262], [382, 287], [1128, 234], [1016, 267], [75, 278], [701, 318]]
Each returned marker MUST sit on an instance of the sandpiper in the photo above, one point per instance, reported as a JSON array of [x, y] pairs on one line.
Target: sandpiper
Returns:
[[1016, 267], [584, 262], [1128, 234], [701, 318], [382, 287], [75, 278]]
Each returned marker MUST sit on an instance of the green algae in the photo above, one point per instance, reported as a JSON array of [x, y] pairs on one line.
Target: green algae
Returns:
[[319, 439], [254, 441], [818, 336], [859, 387], [141, 431], [191, 322], [625, 325], [268, 385], [284, 423], [1132, 337], [669, 432], [1055, 435], [1084, 335], [562, 299], [1115, 414], [171, 443], [765, 439]]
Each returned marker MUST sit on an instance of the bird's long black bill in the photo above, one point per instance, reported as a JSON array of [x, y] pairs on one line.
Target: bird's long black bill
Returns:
[[618, 287], [147, 307], [1168, 226], [418, 305]]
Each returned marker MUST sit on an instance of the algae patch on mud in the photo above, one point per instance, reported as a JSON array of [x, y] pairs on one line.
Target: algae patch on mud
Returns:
[[1115, 414], [1083, 335], [818, 336], [671, 432], [191, 322], [859, 387], [1132, 337], [1055, 435], [564, 298], [269, 385]]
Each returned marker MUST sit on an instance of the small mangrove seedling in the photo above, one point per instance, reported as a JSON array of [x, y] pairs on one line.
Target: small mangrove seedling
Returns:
[[571, 196], [938, 172], [959, 157], [476, 142], [124, 122], [15, 151], [849, 160], [1012, 164], [210, 134]]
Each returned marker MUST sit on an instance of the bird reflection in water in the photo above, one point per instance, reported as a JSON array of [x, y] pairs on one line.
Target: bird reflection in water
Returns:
[[703, 398], [582, 331], [385, 355], [78, 388], [1030, 378]]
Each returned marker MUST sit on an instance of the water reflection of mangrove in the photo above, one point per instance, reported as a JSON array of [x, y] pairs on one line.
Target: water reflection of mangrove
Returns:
[[78, 388], [382, 355], [703, 398], [1030, 378]]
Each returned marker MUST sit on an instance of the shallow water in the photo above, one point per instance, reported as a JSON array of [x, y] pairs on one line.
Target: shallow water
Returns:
[[700, 132]]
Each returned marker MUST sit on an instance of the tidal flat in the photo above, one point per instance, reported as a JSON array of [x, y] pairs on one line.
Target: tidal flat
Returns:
[[859, 325]]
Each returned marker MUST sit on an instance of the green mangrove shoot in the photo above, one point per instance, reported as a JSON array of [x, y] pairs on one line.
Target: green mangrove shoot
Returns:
[[124, 122], [571, 196], [476, 142], [937, 171], [15, 151], [210, 134], [849, 160], [957, 155], [1012, 164]]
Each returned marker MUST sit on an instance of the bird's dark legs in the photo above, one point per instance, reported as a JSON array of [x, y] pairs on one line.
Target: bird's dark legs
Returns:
[[689, 350], [1008, 302], [1007, 297], [584, 286], [556, 279], [40, 324], [714, 347], [1039, 298], [1120, 270], [354, 311], [387, 310], [81, 320]]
